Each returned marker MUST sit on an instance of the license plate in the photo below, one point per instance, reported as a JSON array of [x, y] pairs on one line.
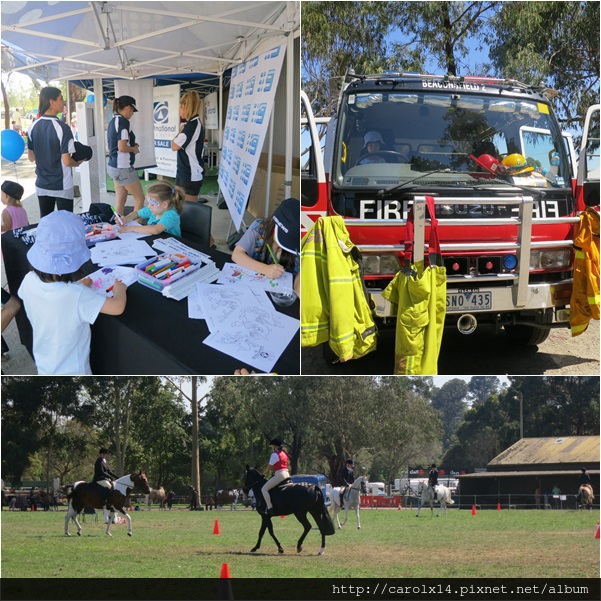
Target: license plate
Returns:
[[460, 301]]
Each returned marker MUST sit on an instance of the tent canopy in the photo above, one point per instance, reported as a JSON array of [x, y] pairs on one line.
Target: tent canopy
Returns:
[[192, 43]]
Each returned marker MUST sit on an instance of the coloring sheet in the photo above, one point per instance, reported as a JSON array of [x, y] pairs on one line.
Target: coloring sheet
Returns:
[[104, 278], [218, 302], [233, 274], [195, 310], [121, 252], [254, 335], [131, 235]]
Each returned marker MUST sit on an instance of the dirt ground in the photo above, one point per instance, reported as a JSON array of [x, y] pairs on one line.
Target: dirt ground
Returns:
[[480, 353]]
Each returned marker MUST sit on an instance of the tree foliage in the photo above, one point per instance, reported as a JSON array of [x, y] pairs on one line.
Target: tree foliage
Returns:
[[553, 43]]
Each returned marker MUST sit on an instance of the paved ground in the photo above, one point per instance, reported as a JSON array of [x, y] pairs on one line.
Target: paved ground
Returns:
[[18, 361]]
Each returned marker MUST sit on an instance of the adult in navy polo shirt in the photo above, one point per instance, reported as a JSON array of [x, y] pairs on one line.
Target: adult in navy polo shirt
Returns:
[[50, 145], [122, 153], [189, 144]]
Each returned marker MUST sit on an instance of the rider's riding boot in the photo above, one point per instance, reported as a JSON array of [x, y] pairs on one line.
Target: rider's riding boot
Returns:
[[269, 511]]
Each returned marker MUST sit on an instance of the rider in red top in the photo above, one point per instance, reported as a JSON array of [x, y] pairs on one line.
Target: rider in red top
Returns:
[[278, 462]]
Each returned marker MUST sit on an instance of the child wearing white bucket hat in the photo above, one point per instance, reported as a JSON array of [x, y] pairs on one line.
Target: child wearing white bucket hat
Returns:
[[60, 308]]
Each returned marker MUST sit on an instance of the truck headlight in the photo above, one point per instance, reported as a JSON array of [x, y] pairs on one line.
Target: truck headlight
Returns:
[[550, 259]]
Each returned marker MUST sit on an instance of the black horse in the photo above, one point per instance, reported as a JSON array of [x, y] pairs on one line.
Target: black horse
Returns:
[[290, 498]]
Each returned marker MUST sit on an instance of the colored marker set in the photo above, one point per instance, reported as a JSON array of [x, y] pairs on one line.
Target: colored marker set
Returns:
[[99, 232], [165, 269]]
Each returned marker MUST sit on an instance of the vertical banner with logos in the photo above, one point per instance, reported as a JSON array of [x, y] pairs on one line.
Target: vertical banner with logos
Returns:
[[251, 98], [211, 118], [166, 127]]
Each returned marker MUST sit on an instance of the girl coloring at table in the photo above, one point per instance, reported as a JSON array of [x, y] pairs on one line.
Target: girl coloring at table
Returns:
[[270, 247], [165, 204], [60, 308]]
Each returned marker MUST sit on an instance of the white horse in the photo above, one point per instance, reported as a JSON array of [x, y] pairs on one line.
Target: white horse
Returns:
[[350, 500], [442, 495]]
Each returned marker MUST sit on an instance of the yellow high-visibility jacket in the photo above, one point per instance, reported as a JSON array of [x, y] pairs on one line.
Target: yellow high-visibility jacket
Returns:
[[334, 304], [584, 303]]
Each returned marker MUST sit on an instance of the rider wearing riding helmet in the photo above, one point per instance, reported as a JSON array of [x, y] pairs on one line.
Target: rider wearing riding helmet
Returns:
[[347, 476], [433, 477], [103, 475], [278, 462]]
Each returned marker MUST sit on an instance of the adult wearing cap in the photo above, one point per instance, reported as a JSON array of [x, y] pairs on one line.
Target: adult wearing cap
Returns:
[[122, 153], [372, 144], [103, 476], [60, 308], [278, 463], [272, 247], [50, 145], [189, 144]]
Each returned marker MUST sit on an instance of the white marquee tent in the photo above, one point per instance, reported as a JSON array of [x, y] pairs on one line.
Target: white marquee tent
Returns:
[[195, 43]]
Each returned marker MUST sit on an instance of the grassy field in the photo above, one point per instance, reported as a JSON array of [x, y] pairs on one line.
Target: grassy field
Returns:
[[391, 543]]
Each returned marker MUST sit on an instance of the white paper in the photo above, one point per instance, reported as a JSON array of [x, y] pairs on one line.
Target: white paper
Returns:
[[121, 252], [219, 302], [104, 278], [254, 335], [131, 235], [234, 274], [195, 310], [172, 245]]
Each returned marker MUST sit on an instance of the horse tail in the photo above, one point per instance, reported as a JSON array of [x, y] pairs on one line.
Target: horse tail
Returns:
[[326, 525]]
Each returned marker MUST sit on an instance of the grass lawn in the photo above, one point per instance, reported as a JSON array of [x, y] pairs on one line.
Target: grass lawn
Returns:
[[391, 543]]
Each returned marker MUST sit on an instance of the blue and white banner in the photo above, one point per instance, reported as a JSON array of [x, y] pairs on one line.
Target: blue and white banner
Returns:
[[211, 118], [166, 127], [252, 94]]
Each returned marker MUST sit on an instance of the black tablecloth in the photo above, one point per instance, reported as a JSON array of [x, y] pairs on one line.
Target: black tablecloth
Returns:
[[154, 335]]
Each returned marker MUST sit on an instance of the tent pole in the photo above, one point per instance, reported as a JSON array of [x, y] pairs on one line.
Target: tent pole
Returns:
[[289, 115], [269, 165], [99, 128]]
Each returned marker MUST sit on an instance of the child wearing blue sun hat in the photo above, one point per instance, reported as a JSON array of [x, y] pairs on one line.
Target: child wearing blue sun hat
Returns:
[[60, 308]]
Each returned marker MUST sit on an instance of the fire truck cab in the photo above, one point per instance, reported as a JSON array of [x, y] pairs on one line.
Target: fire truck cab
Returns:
[[503, 177]]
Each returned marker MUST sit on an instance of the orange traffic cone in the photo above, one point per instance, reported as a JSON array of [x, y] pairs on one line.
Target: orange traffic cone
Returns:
[[216, 528], [498, 506], [224, 590], [400, 507], [283, 517], [473, 510], [597, 532]]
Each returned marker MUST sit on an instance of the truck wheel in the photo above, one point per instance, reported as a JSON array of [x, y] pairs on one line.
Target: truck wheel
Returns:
[[523, 335], [330, 357], [527, 335]]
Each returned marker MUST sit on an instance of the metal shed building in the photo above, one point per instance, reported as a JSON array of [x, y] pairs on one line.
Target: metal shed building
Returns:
[[526, 473]]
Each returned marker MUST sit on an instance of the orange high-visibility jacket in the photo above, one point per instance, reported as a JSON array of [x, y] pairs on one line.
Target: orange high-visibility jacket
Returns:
[[584, 304]]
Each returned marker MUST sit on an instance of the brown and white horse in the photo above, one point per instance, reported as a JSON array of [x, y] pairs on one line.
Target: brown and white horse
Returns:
[[157, 495], [89, 495]]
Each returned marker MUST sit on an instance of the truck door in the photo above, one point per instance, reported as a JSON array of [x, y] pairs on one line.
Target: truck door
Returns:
[[587, 184]]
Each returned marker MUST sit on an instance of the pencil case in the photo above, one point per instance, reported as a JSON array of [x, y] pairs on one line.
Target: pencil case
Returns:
[[163, 270]]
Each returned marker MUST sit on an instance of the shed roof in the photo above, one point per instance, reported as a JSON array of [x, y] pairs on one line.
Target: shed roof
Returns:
[[522, 474], [546, 451]]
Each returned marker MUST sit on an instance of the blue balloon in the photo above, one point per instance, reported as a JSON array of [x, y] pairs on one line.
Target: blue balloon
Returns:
[[13, 145], [90, 98]]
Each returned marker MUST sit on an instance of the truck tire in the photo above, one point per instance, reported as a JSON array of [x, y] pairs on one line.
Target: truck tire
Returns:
[[523, 335]]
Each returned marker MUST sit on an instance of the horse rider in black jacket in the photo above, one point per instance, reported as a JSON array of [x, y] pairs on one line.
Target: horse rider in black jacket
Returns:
[[583, 479], [347, 476], [433, 478], [103, 476]]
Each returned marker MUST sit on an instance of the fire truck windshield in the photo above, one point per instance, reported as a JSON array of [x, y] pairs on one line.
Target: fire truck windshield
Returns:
[[388, 137]]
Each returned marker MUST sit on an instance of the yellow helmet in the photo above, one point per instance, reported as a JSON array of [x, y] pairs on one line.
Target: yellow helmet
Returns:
[[515, 164]]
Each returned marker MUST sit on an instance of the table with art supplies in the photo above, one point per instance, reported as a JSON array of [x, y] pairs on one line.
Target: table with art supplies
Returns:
[[190, 310]]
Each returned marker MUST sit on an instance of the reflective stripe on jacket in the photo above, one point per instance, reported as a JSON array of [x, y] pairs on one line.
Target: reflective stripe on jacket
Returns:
[[334, 305]]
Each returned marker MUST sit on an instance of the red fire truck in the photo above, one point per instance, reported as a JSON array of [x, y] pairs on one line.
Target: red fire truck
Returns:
[[503, 176]]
